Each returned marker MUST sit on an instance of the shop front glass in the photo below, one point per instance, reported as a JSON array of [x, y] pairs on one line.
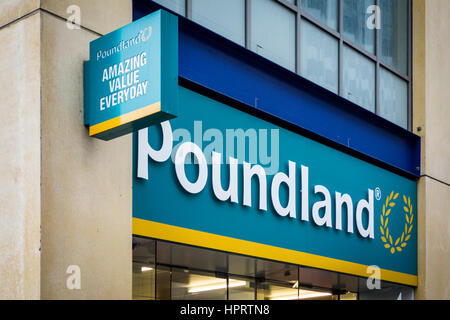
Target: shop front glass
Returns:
[[169, 271]]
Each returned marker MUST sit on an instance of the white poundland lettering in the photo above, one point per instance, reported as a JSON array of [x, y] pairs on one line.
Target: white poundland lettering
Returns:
[[321, 210]]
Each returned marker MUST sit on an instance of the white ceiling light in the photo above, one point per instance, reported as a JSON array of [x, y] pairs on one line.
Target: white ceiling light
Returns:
[[203, 288], [303, 294], [144, 269], [313, 294]]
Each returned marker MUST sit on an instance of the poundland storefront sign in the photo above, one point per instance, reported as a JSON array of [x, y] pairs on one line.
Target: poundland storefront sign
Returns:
[[210, 175], [131, 77], [220, 178]]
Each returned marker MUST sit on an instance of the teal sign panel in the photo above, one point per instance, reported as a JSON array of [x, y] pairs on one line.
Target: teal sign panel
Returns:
[[131, 78], [273, 188]]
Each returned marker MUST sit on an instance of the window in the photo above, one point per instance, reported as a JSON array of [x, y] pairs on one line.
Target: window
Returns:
[[393, 98], [359, 79], [188, 284], [319, 56], [354, 24], [226, 18], [170, 271], [334, 43], [325, 11], [178, 6], [143, 269], [273, 32], [394, 34]]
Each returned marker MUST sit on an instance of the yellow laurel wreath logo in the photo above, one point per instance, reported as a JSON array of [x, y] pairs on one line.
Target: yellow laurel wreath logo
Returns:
[[386, 237]]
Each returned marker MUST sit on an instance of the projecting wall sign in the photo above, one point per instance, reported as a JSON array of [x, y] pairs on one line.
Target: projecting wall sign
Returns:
[[131, 79]]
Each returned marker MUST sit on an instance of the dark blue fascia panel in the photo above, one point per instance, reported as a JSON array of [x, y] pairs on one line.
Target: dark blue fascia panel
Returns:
[[228, 72]]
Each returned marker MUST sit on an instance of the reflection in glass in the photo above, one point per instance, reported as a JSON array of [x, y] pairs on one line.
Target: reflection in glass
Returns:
[[273, 32], [178, 6], [143, 250], [354, 24], [143, 281], [266, 280], [316, 294], [394, 34], [319, 56], [163, 283], [326, 11], [393, 98], [271, 290], [277, 290], [226, 18], [387, 291], [143, 269], [278, 271], [359, 79], [193, 257], [193, 285], [240, 288], [348, 296], [312, 277], [348, 283]]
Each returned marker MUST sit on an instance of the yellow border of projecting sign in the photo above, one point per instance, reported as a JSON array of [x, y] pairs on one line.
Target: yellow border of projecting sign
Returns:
[[125, 118]]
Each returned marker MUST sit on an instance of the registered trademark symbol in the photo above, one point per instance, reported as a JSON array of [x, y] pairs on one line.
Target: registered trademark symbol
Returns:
[[377, 193]]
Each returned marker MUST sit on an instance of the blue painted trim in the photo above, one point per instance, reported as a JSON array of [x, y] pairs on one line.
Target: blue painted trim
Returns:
[[227, 71]]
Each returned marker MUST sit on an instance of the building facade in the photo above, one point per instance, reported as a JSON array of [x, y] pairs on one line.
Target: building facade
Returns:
[[352, 90]]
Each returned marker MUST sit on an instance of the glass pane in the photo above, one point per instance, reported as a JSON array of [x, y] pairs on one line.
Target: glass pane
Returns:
[[387, 291], [190, 285], [319, 56], [354, 24], [313, 277], [326, 11], [394, 33], [348, 283], [226, 18], [143, 250], [359, 79], [393, 98], [241, 288], [178, 6], [316, 294], [269, 290], [163, 284], [282, 272], [317, 284], [273, 32], [191, 257], [241, 265], [143, 281], [349, 296]]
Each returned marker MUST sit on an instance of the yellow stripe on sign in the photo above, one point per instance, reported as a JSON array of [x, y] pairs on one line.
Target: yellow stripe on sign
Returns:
[[125, 118], [212, 241]]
